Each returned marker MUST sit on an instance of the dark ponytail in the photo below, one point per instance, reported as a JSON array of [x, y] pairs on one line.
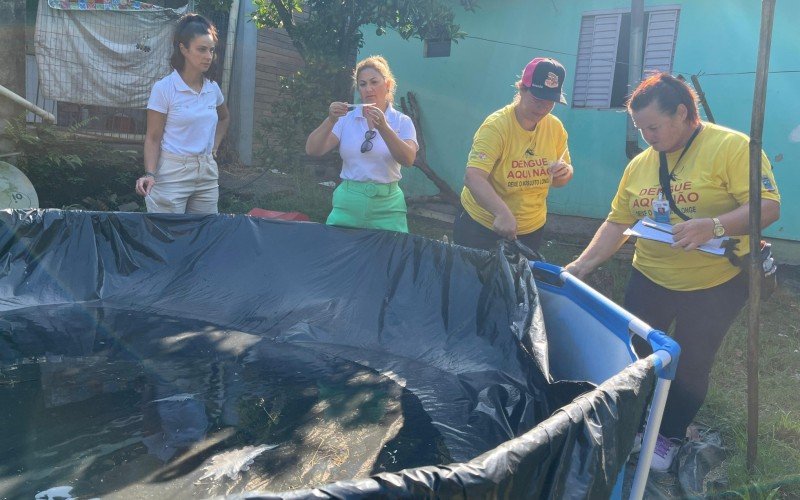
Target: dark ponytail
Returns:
[[189, 27]]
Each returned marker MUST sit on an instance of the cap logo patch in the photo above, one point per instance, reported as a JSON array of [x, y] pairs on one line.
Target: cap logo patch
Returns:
[[552, 80]]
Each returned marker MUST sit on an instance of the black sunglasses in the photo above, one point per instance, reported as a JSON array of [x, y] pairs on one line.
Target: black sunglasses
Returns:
[[367, 144]]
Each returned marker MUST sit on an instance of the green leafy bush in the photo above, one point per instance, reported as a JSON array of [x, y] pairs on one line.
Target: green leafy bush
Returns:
[[303, 104], [209, 7], [70, 170]]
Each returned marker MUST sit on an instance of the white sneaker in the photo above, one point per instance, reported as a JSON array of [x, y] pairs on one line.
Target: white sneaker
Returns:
[[663, 455]]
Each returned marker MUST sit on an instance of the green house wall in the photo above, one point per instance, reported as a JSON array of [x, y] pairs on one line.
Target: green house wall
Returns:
[[717, 40]]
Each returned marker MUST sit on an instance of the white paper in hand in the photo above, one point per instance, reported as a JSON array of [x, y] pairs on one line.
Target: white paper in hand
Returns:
[[651, 230]]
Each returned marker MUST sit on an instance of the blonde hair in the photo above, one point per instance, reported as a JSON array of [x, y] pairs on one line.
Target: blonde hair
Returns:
[[379, 64], [518, 96]]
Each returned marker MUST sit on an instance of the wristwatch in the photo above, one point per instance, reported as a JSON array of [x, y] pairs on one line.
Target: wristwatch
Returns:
[[719, 229]]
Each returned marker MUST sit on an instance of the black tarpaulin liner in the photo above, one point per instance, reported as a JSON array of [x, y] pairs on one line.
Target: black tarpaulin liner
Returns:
[[461, 328]]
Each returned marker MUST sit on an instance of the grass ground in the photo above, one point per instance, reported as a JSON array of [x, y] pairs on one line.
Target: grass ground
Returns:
[[777, 470], [778, 464]]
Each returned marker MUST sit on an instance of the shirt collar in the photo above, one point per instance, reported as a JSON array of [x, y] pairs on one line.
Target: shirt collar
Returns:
[[181, 86]]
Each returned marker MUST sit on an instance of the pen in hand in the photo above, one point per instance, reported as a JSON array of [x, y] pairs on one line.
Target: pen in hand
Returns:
[[655, 226]]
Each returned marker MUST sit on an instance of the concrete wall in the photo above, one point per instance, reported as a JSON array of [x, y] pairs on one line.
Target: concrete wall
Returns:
[[260, 58], [456, 93], [242, 89]]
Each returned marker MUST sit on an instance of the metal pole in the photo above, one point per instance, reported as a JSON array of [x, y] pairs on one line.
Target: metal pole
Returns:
[[756, 129], [635, 61]]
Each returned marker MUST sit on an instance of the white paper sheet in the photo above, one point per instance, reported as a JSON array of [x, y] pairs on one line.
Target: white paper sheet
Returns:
[[649, 229]]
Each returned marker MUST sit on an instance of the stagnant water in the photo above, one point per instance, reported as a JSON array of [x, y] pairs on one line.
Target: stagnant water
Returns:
[[99, 402]]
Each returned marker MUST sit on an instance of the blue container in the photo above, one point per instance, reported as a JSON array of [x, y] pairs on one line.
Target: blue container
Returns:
[[589, 339]]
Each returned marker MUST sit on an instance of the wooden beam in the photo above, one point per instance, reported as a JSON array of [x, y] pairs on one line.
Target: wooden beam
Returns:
[[756, 130]]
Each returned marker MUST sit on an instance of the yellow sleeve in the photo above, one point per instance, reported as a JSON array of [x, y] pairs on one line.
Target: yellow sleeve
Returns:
[[487, 147], [620, 211], [737, 171]]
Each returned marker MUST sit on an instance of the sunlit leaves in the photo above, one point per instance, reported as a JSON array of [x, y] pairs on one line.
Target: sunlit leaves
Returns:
[[332, 28]]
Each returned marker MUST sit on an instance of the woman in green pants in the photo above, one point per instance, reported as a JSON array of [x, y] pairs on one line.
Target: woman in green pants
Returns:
[[374, 140]]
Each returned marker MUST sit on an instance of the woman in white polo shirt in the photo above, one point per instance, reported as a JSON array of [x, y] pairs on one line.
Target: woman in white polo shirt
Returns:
[[374, 140], [186, 121]]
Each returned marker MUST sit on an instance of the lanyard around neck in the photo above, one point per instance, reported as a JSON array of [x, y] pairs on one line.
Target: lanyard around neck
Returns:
[[662, 157], [665, 176]]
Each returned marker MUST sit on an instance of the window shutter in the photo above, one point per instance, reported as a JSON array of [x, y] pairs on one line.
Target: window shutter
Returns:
[[597, 57], [660, 45]]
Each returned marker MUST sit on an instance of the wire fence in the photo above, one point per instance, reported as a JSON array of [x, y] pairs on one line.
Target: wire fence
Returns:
[[92, 63]]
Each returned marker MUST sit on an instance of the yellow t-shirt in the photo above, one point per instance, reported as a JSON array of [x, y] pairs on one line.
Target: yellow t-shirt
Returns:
[[518, 162], [711, 179]]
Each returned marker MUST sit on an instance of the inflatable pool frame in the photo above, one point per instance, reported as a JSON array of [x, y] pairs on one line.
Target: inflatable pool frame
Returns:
[[580, 323]]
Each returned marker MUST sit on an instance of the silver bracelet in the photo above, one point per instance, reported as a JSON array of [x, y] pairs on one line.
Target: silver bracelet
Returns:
[[149, 174]]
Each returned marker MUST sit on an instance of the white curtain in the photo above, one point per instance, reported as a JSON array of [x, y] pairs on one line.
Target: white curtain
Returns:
[[95, 55]]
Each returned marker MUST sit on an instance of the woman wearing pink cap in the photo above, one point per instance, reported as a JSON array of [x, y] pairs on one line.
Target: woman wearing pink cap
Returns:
[[517, 154]]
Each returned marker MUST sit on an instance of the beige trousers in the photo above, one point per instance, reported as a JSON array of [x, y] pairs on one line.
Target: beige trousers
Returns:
[[185, 184]]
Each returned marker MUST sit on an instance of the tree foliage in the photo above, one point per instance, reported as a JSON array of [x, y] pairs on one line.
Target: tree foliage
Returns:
[[327, 34], [209, 7], [332, 28], [304, 101]]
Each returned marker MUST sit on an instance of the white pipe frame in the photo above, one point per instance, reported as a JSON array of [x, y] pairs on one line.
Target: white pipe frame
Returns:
[[17, 99], [640, 328]]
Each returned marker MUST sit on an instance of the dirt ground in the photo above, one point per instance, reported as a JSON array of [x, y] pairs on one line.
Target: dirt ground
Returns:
[[246, 181]]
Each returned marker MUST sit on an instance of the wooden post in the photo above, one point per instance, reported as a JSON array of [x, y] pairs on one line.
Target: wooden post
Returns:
[[756, 129], [702, 96], [445, 191]]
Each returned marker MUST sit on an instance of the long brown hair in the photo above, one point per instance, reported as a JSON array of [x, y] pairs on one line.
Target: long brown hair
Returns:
[[189, 27]]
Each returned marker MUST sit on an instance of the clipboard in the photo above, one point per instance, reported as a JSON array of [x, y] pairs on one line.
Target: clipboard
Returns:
[[649, 229]]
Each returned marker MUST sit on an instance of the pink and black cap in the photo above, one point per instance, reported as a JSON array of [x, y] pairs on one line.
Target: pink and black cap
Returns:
[[544, 77]]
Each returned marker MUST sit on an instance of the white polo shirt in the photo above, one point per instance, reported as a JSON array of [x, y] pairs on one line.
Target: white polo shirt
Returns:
[[191, 116], [376, 165]]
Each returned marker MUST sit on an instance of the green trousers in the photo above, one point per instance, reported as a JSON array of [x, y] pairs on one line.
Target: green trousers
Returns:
[[369, 205]]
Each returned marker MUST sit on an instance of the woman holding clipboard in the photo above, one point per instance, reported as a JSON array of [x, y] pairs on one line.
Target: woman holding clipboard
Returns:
[[694, 176]]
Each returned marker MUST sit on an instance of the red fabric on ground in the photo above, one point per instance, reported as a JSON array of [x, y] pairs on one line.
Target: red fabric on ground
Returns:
[[274, 214]]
